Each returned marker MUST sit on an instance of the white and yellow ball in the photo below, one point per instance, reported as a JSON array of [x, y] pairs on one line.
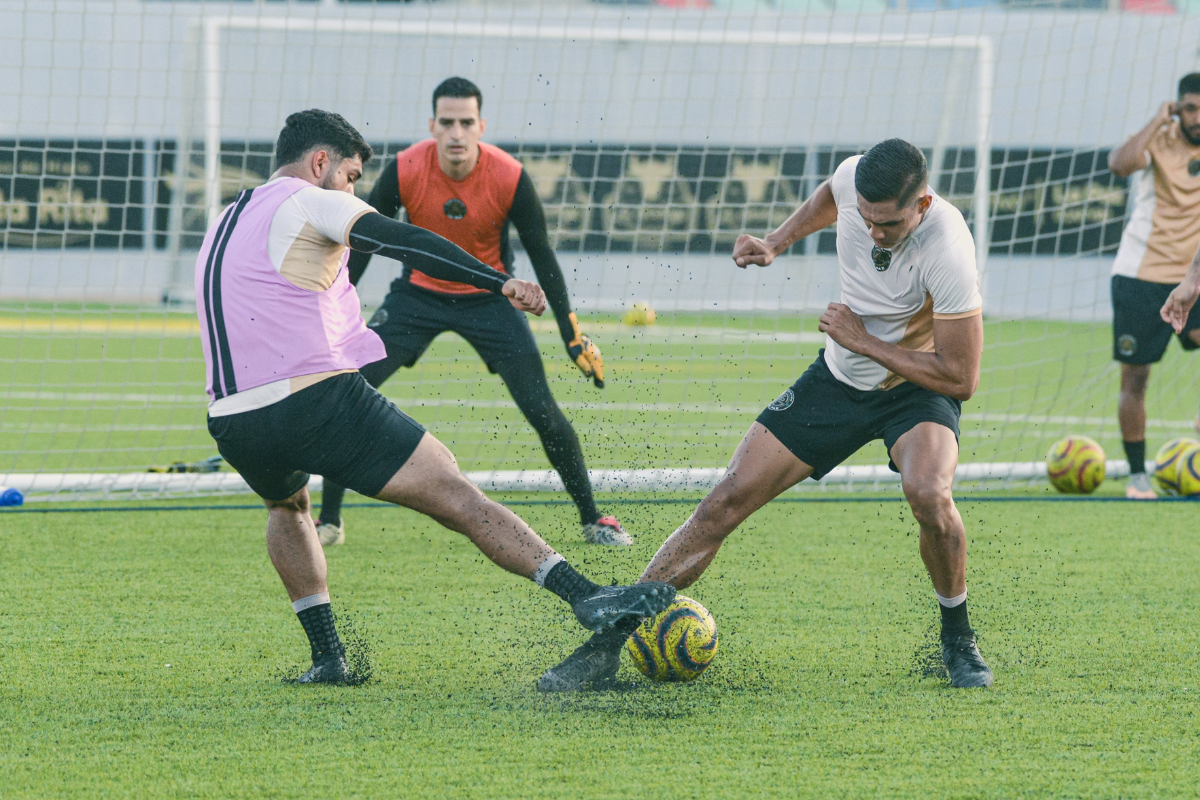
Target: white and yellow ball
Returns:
[[640, 314], [1075, 465], [677, 645], [1174, 466]]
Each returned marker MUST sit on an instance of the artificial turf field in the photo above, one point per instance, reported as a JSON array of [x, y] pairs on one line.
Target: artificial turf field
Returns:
[[144, 652], [106, 389]]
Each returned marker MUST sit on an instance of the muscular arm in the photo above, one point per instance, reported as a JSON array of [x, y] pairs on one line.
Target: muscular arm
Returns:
[[423, 250], [951, 369], [529, 219], [1131, 156], [816, 213], [385, 198]]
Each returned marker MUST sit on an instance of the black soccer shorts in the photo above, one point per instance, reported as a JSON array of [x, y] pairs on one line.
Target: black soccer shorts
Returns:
[[823, 421], [1139, 334], [340, 428], [411, 318]]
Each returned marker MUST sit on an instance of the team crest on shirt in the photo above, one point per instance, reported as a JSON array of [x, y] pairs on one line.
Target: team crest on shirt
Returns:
[[1126, 344], [455, 208], [1194, 167], [783, 402], [380, 317]]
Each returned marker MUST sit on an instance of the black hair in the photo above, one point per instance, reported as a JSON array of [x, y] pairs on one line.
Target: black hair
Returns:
[[457, 87], [1189, 84], [891, 170], [313, 128]]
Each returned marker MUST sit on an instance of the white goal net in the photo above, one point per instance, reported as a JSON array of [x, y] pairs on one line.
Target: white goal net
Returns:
[[654, 137]]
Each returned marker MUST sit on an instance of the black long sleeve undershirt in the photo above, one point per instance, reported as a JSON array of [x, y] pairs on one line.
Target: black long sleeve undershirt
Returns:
[[526, 215], [436, 257]]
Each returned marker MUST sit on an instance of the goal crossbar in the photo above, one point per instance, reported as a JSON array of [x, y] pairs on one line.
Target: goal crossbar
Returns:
[[206, 34]]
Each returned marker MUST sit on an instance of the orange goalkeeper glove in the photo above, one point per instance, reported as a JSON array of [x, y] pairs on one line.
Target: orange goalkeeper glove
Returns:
[[585, 354]]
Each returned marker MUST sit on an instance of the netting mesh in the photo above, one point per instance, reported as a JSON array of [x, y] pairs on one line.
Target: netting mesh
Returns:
[[654, 138]]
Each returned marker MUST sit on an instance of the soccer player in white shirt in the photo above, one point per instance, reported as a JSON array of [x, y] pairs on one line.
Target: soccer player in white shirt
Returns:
[[902, 353]]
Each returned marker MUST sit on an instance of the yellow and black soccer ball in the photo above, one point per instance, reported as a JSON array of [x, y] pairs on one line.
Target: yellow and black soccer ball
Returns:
[[677, 645], [1175, 465], [1075, 465]]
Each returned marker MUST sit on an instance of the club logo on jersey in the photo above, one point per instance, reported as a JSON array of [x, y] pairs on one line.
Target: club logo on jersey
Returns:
[[1194, 167], [1126, 345], [380, 317], [455, 208], [881, 257], [783, 402]]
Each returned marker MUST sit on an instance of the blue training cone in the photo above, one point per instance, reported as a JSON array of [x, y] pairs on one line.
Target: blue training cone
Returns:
[[11, 497]]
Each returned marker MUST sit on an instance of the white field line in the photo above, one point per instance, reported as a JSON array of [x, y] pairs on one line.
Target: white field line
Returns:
[[682, 408]]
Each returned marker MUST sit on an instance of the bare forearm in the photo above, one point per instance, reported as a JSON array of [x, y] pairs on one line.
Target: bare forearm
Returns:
[[1131, 156], [931, 371], [816, 213]]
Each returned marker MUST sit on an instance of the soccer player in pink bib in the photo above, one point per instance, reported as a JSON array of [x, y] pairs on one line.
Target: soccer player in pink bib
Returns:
[[284, 341]]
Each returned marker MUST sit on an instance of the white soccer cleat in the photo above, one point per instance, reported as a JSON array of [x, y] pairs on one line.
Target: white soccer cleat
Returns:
[[331, 534], [1139, 487], [607, 531]]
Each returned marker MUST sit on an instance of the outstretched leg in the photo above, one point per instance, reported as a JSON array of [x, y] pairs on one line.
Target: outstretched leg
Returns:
[[927, 456], [431, 483], [761, 468], [525, 378]]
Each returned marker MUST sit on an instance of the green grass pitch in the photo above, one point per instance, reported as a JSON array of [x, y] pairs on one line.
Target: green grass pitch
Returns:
[[103, 389], [142, 657]]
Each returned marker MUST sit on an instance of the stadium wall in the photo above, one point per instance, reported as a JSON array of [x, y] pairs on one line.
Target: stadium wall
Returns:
[[113, 73]]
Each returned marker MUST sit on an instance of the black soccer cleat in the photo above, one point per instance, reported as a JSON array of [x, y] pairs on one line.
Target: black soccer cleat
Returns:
[[613, 603], [329, 669], [592, 666], [964, 663]]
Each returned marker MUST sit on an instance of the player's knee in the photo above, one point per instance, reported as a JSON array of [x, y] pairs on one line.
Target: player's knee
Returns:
[[932, 503], [298, 503], [722, 505], [1134, 379]]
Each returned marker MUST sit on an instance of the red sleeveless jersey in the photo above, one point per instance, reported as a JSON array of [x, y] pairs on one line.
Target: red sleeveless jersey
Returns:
[[471, 212]]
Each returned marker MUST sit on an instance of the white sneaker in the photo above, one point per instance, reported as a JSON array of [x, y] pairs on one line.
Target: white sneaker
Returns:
[[1139, 487], [607, 531], [331, 534]]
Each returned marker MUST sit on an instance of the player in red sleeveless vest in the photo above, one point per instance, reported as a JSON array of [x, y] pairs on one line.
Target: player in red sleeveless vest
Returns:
[[469, 192]]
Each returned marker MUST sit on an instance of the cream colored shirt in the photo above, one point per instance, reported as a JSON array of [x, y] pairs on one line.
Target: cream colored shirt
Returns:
[[932, 276], [1163, 231]]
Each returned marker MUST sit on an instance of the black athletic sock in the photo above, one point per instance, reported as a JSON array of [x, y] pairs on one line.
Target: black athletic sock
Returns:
[[1135, 454], [955, 621], [322, 635], [331, 503], [568, 584]]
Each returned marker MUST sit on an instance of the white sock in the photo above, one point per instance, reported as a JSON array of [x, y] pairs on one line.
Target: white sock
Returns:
[[320, 598], [952, 602], [550, 563]]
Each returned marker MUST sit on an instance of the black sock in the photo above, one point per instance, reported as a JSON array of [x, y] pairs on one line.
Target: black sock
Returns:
[[331, 503], [1135, 454], [955, 621], [569, 584], [322, 635]]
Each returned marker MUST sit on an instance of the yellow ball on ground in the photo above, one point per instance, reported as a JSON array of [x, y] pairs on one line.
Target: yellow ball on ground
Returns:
[[1075, 465], [640, 314], [1169, 464], [677, 645], [1189, 473]]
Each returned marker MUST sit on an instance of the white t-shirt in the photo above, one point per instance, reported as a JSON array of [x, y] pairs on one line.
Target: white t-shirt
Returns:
[[309, 234], [932, 276]]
